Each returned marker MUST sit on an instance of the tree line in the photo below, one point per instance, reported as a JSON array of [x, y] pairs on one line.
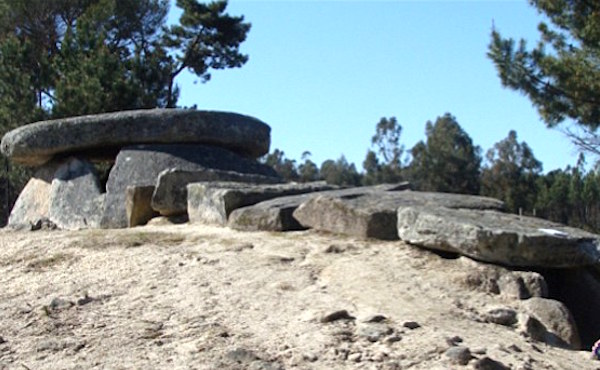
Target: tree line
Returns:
[[448, 161]]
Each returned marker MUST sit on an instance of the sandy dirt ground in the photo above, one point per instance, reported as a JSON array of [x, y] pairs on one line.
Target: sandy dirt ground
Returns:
[[197, 297]]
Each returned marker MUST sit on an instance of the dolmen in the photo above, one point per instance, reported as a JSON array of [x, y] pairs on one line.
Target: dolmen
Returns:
[[202, 167], [157, 148]]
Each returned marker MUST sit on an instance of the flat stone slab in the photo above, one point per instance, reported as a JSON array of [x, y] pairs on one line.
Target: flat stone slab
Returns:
[[270, 215], [497, 237], [141, 165], [374, 214], [278, 214], [212, 202], [171, 195], [101, 136]]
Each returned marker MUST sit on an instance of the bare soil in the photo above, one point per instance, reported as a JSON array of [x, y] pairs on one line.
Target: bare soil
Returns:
[[197, 297]]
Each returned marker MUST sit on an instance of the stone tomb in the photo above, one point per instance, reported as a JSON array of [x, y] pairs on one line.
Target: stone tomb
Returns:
[[142, 144]]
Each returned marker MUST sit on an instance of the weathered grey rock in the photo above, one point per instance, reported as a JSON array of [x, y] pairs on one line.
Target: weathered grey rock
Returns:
[[171, 196], [277, 214], [498, 237], [270, 215], [212, 202], [579, 290], [496, 279], [140, 166], [459, 355], [373, 214], [66, 192], [103, 135], [501, 316], [33, 202], [523, 285], [486, 363], [137, 205], [76, 200], [374, 332], [557, 320]]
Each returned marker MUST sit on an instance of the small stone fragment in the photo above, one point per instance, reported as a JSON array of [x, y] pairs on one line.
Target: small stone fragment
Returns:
[[59, 304], [374, 331], [337, 315], [310, 357], [393, 338], [84, 300], [241, 247], [453, 341], [479, 351], [515, 348], [43, 223], [355, 357], [241, 355], [2, 340], [501, 316], [460, 355], [374, 318], [486, 363], [411, 325]]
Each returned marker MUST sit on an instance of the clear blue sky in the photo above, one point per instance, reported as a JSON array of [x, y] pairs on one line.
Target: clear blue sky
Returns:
[[322, 74]]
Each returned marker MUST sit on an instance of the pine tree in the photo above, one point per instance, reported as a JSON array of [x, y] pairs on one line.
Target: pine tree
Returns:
[[561, 75], [511, 173], [448, 161], [340, 172], [384, 166]]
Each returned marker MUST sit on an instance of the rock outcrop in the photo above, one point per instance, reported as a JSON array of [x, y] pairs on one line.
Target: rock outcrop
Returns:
[[101, 136], [141, 165], [498, 237]]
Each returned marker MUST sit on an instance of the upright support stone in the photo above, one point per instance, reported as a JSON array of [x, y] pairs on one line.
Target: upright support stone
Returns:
[[141, 165], [138, 205], [66, 192], [34, 200], [76, 200]]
